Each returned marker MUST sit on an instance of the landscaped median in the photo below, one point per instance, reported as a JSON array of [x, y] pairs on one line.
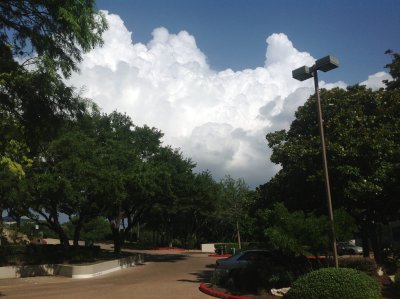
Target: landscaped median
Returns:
[[205, 289], [72, 271]]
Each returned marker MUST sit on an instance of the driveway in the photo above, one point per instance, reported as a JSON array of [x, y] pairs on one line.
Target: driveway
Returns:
[[165, 275]]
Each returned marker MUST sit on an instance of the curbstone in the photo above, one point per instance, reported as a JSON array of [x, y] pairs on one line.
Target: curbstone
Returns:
[[203, 287]]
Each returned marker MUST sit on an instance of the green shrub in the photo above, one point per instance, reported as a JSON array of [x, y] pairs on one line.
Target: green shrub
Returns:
[[46, 254], [280, 270], [217, 279], [391, 264], [11, 254], [334, 283], [366, 265]]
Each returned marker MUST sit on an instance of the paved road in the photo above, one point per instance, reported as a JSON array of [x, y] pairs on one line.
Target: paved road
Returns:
[[165, 275]]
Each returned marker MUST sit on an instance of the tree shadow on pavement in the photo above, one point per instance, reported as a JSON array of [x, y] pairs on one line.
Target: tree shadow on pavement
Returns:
[[163, 258], [201, 276]]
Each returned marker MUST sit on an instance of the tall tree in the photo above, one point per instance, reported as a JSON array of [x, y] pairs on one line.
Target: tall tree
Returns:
[[176, 186], [362, 135], [14, 163], [52, 34], [38, 40], [69, 177], [394, 70], [235, 193], [129, 152]]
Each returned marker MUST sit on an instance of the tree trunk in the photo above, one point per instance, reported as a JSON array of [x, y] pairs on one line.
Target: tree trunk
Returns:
[[138, 233], [365, 239], [77, 234], [238, 235], [1, 224], [376, 246], [119, 238], [64, 241]]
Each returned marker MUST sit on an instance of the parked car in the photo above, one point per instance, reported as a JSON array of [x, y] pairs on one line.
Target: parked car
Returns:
[[242, 259], [252, 268], [345, 248]]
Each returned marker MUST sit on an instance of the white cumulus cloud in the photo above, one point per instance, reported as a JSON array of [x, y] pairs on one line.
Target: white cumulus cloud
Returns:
[[218, 118], [375, 81]]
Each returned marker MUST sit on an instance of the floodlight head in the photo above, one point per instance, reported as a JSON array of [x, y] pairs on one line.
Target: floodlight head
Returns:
[[302, 73], [327, 63]]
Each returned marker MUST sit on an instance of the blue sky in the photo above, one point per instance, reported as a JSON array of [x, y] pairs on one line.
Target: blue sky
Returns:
[[232, 33], [215, 75]]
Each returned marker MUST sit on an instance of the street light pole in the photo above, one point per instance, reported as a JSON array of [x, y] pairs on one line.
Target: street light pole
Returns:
[[325, 166], [324, 64]]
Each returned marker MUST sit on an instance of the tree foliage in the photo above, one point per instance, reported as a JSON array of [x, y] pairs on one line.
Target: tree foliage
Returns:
[[38, 40], [362, 138], [394, 70], [303, 233], [53, 34]]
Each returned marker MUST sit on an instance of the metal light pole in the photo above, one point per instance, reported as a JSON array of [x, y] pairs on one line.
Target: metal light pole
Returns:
[[303, 73]]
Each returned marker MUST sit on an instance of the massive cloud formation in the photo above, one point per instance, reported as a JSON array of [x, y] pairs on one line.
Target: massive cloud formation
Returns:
[[219, 119]]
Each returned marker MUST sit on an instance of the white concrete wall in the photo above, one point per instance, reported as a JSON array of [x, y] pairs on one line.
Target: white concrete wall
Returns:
[[57, 241], [208, 248], [73, 271]]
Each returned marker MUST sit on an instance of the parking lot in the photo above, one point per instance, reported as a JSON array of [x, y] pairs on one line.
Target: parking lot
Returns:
[[164, 275]]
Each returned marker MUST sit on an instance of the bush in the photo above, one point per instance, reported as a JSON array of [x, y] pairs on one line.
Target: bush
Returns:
[[366, 265], [280, 270], [46, 254], [334, 283], [391, 265]]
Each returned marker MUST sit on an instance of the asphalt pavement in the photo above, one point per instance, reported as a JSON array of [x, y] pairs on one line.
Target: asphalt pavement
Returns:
[[164, 275]]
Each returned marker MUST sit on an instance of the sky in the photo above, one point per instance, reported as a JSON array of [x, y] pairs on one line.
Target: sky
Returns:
[[215, 75]]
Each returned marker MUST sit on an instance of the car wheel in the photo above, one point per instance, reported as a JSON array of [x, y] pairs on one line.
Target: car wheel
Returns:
[[352, 252]]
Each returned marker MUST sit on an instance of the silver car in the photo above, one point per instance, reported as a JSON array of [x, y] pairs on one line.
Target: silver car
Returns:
[[345, 248]]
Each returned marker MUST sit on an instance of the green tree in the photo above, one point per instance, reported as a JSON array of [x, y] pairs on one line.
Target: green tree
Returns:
[[14, 163], [303, 233], [235, 194], [128, 152], [176, 186], [96, 230], [200, 210], [37, 40], [69, 176], [394, 70], [52, 34], [362, 138]]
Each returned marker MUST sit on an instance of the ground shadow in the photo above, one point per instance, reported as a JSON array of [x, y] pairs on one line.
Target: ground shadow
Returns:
[[391, 291], [164, 258], [201, 276], [212, 266]]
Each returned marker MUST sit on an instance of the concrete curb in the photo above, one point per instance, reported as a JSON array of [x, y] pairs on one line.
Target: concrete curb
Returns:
[[72, 271], [206, 290]]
